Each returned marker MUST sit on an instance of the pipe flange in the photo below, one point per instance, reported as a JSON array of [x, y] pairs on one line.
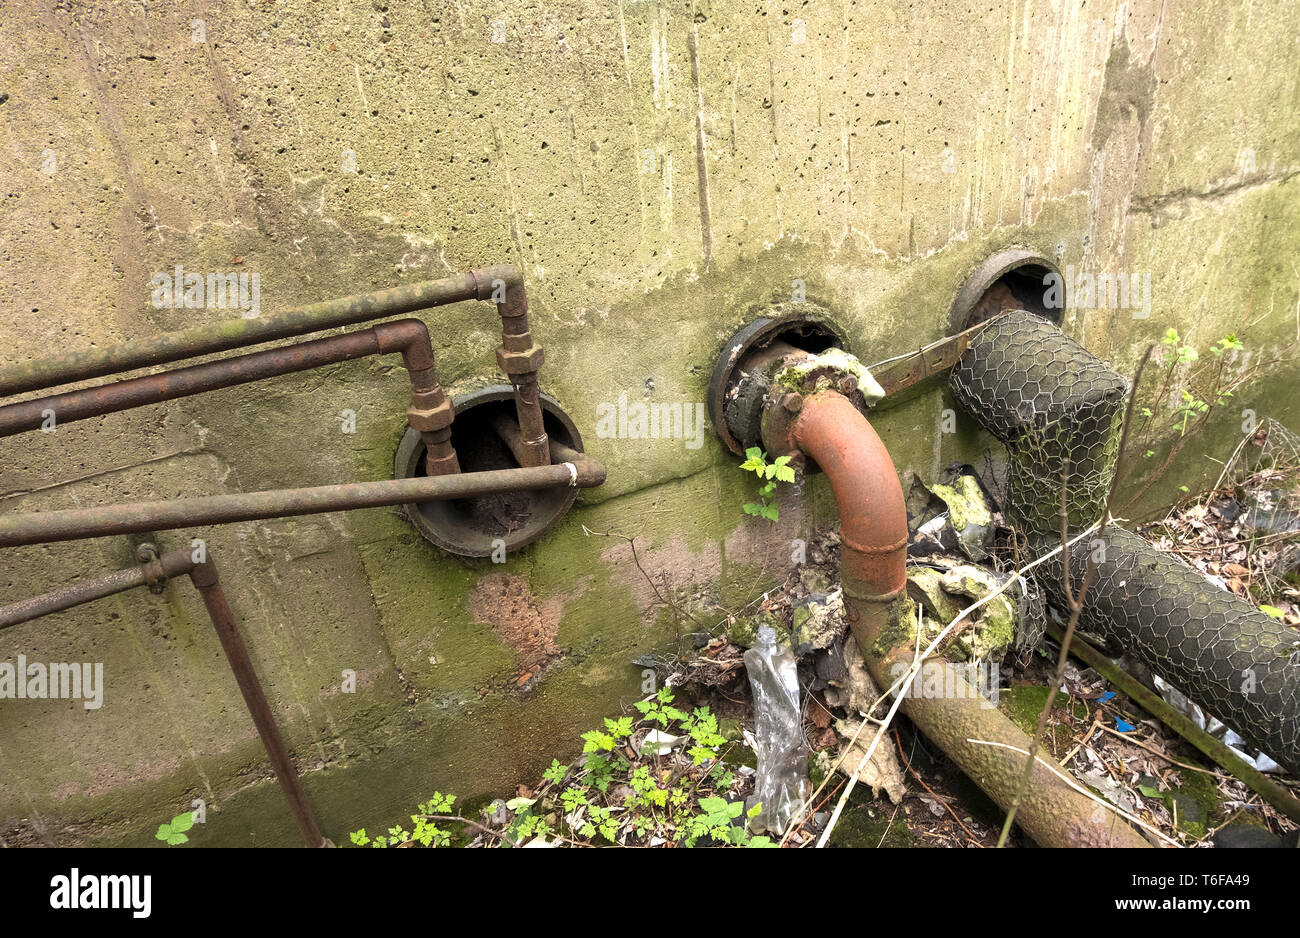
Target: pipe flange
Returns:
[[1020, 271], [483, 527], [735, 405]]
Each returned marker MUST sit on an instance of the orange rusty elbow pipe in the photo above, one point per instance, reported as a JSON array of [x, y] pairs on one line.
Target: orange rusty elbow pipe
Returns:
[[873, 517], [983, 743]]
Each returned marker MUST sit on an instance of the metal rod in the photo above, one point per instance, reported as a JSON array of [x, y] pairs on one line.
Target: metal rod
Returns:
[[84, 591], [154, 571], [238, 333], [72, 524], [204, 577]]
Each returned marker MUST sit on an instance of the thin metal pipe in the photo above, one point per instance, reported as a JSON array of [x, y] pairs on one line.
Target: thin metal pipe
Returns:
[[238, 333], [72, 524], [430, 407], [183, 382], [1181, 724], [154, 571], [204, 577], [84, 591], [518, 356]]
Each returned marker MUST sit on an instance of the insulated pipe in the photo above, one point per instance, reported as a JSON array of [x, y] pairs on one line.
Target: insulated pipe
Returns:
[[153, 571], [1056, 407], [430, 411], [973, 733], [72, 524]]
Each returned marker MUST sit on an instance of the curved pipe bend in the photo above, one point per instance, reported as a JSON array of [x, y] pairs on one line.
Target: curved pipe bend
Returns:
[[873, 530]]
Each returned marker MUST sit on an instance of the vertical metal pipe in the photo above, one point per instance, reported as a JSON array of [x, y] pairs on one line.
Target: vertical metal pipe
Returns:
[[519, 358], [204, 577]]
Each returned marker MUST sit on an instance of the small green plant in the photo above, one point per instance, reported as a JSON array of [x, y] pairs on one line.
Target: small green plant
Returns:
[[770, 473], [657, 709], [426, 832], [607, 798], [173, 833], [1180, 412]]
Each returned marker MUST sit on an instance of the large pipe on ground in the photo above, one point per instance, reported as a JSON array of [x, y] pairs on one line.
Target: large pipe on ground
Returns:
[[1058, 410]]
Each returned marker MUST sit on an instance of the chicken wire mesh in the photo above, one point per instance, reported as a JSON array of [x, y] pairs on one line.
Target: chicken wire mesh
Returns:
[[1222, 652], [1279, 451], [1057, 409]]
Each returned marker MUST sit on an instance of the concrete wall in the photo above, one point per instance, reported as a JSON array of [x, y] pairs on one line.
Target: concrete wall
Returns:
[[659, 170]]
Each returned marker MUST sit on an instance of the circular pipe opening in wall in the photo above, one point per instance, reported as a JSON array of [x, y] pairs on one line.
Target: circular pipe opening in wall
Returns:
[[476, 527], [1017, 278], [803, 326]]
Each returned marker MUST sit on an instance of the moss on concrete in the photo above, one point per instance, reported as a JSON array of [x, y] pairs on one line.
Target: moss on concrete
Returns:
[[823, 180]]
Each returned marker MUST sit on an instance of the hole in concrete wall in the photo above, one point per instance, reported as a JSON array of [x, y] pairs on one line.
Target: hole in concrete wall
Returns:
[[1017, 278], [804, 326], [475, 527]]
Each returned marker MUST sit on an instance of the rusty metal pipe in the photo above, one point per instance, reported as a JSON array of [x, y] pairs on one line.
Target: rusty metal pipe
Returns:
[[210, 376], [238, 333], [175, 563], [72, 524], [503, 286], [430, 412], [204, 577], [519, 357], [873, 521], [154, 571]]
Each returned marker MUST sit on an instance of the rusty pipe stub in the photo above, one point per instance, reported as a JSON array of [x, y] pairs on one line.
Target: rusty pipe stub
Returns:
[[744, 370]]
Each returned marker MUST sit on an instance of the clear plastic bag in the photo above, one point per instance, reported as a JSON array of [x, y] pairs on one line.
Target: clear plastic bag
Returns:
[[782, 776]]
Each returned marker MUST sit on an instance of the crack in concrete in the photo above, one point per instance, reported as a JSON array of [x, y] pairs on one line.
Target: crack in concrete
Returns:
[[1143, 205]]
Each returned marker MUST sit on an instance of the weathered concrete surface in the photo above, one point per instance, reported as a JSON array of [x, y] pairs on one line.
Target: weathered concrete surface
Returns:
[[659, 170]]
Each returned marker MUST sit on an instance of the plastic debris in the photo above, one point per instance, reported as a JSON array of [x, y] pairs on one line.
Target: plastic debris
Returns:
[[1180, 702], [781, 783], [659, 742], [954, 514]]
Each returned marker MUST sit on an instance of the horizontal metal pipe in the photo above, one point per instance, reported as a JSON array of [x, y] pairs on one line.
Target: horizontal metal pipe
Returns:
[[184, 382], [222, 336], [175, 563], [73, 524]]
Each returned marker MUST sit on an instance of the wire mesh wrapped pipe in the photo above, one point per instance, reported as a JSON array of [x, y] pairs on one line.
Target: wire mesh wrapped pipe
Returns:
[[1058, 409]]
